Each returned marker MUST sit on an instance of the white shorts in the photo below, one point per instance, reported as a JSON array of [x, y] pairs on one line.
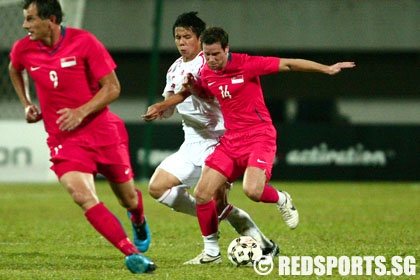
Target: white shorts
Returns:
[[186, 164]]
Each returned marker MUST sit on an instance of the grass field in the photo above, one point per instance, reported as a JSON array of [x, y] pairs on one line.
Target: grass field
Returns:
[[44, 235]]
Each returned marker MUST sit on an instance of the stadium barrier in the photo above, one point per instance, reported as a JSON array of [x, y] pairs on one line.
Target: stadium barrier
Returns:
[[311, 152], [306, 152], [24, 155]]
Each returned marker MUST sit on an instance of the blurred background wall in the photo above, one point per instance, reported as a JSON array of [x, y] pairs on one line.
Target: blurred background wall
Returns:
[[381, 36]]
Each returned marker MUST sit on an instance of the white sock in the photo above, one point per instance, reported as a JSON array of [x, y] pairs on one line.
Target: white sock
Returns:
[[282, 198], [179, 199], [211, 244], [244, 225]]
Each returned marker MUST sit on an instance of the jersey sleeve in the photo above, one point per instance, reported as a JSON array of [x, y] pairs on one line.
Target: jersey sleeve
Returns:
[[15, 58], [169, 86], [263, 65], [98, 57]]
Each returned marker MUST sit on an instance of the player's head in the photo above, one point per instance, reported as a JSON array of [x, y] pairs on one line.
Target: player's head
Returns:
[[186, 31], [215, 47], [46, 9], [41, 17], [190, 21], [215, 35]]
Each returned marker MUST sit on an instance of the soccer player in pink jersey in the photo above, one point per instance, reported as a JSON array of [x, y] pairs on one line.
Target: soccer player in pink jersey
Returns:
[[248, 146], [75, 81], [202, 123]]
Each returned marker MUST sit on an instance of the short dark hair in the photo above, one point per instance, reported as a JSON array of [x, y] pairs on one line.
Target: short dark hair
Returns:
[[190, 20], [215, 35], [46, 8]]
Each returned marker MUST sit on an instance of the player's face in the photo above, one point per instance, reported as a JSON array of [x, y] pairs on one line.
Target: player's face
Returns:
[[216, 56], [187, 43], [38, 28]]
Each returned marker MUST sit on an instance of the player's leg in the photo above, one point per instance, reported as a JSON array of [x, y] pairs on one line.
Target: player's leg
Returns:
[[209, 183], [262, 151], [242, 222], [113, 162], [82, 189], [167, 189], [256, 188], [131, 198]]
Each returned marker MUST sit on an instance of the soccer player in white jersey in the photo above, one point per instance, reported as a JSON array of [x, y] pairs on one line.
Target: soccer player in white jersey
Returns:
[[203, 126]]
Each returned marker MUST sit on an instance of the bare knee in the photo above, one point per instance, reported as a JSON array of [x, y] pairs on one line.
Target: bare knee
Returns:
[[126, 194], [81, 188], [129, 201], [160, 182], [157, 190], [83, 198], [202, 196], [253, 193]]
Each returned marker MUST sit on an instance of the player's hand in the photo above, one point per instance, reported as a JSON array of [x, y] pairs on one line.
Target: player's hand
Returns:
[[32, 114], [153, 112], [69, 119], [336, 68], [191, 85], [188, 82]]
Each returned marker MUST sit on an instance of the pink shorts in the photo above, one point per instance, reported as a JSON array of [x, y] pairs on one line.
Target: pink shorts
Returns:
[[237, 151], [77, 154]]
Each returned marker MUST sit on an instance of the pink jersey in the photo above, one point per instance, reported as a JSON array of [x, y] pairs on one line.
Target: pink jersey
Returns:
[[66, 75], [238, 89]]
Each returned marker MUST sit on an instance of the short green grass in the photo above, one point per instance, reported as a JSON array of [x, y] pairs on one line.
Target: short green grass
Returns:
[[44, 235]]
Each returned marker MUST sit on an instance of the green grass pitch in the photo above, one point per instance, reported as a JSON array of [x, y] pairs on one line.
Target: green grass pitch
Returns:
[[44, 235]]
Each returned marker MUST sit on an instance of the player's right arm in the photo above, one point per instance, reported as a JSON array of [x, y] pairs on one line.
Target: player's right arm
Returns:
[[166, 108], [20, 83]]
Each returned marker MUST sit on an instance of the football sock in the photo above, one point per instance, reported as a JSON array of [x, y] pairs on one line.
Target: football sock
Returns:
[[269, 195], [211, 245], [109, 227], [244, 225], [207, 218], [137, 214], [225, 212], [179, 199], [282, 198]]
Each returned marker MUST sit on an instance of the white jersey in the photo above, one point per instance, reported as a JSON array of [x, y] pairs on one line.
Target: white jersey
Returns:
[[200, 119]]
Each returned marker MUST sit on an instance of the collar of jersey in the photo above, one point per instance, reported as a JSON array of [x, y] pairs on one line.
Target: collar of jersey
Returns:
[[63, 34]]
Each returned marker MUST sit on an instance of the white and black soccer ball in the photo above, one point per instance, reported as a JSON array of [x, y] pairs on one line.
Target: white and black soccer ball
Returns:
[[244, 250]]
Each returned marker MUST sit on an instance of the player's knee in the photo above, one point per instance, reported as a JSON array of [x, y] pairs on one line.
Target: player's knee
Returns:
[[83, 200], [129, 202], [156, 190], [252, 193], [201, 196]]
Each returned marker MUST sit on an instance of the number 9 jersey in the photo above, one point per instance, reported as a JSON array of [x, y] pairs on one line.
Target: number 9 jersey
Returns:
[[66, 75]]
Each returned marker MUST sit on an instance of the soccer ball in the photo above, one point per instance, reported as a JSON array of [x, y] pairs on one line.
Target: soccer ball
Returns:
[[244, 250]]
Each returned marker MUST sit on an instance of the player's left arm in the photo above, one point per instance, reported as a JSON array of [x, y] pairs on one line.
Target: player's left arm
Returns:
[[109, 91], [303, 65]]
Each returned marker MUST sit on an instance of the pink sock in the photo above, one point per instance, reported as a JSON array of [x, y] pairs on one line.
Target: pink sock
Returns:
[[207, 218], [109, 227], [137, 215], [269, 195]]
